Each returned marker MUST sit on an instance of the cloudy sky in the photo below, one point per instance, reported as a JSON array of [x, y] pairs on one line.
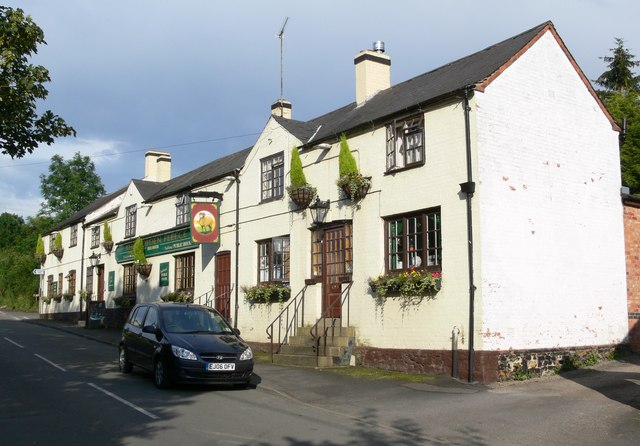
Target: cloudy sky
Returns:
[[197, 78]]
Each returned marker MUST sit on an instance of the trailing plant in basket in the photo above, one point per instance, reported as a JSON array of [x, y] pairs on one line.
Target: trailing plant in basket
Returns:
[[40, 255], [351, 181], [300, 192]]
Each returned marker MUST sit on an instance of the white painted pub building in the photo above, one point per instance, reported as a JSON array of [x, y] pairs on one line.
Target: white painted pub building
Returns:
[[498, 174]]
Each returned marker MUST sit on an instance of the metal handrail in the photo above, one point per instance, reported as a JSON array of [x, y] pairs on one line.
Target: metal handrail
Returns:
[[209, 297], [293, 315], [344, 299]]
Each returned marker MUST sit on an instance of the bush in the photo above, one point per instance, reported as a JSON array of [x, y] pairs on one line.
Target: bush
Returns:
[[347, 163], [138, 252], [297, 174]]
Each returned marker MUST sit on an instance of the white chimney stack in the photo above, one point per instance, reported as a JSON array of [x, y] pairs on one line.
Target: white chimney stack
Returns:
[[157, 166], [373, 72]]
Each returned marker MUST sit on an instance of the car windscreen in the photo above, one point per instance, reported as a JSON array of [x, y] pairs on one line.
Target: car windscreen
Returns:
[[194, 320]]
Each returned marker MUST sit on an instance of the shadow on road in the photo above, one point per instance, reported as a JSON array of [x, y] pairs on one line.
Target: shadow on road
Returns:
[[623, 387]]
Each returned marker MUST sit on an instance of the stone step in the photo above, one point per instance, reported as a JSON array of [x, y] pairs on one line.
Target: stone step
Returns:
[[309, 350], [304, 360]]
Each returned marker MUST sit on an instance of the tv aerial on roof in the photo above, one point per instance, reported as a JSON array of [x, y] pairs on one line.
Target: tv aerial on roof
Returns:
[[280, 36]]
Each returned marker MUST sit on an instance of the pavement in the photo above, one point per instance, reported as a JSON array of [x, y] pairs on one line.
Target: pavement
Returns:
[[304, 384]]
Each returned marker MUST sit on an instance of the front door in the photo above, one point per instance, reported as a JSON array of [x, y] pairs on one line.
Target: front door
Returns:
[[223, 284], [100, 282], [337, 266]]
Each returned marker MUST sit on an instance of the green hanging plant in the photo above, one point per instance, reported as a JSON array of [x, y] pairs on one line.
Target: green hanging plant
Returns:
[[40, 254], [108, 239], [300, 192], [138, 252], [354, 185], [58, 250]]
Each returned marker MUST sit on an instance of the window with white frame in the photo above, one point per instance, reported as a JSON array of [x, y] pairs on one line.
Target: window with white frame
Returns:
[[71, 282], [272, 177], [130, 221], [73, 235], [405, 143], [183, 209], [95, 237], [414, 241], [273, 260]]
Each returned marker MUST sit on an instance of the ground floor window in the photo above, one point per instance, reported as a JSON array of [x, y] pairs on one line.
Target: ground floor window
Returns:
[[273, 260], [185, 272], [413, 241], [89, 275], [129, 280], [71, 282], [50, 292]]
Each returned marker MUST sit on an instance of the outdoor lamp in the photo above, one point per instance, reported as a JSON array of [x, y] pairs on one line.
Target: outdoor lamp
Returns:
[[319, 210], [94, 259]]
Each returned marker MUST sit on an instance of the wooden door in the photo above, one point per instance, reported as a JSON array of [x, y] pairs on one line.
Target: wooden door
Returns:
[[100, 269], [336, 242], [223, 284]]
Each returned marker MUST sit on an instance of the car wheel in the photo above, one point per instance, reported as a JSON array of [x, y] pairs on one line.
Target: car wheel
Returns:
[[161, 374], [123, 361]]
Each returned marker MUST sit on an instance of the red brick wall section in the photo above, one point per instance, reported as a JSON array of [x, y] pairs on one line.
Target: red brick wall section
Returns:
[[632, 250]]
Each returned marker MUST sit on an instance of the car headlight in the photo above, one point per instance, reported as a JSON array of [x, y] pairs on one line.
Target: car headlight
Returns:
[[183, 353], [246, 355]]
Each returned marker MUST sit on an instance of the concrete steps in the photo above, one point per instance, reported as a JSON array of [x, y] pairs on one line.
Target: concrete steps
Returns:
[[300, 351]]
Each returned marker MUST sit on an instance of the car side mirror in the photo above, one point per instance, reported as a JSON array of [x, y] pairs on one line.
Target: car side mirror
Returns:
[[153, 329]]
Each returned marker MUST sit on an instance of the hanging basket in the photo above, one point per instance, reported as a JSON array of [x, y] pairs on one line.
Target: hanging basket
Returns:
[[107, 245], [302, 196], [58, 252], [144, 269], [41, 258], [355, 187]]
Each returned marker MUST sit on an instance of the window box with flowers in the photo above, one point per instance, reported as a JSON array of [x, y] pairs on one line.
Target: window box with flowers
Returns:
[[178, 296], [408, 284], [266, 293], [68, 297], [58, 297]]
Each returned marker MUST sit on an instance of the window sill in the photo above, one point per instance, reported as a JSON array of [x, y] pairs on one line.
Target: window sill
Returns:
[[402, 169]]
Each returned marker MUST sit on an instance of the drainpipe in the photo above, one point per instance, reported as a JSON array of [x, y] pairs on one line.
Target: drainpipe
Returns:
[[236, 175], [81, 273], [468, 189]]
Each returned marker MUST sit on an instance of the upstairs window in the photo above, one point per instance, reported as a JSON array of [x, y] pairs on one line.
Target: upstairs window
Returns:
[[95, 237], [273, 260], [52, 241], [73, 236], [272, 178], [130, 221], [405, 143], [414, 242], [183, 209]]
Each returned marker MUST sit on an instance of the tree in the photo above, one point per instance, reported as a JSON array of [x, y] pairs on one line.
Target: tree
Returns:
[[21, 86], [619, 78], [69, 187], [622, 98]]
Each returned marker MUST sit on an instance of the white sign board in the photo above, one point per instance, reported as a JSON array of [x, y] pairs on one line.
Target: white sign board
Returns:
[[38, 272]]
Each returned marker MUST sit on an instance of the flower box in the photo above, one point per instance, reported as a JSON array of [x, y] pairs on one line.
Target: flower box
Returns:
[[407, 284]]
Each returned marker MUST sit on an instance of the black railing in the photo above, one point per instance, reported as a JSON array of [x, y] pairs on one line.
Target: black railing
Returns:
[[287, 322], [322, 330]]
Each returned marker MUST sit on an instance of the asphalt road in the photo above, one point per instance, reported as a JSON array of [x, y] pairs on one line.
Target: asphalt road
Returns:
[[58, 388]]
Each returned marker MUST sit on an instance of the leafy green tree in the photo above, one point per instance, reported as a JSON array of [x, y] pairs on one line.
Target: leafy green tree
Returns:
[[22, 86], [70, 186], [17, 240], [621, 95]]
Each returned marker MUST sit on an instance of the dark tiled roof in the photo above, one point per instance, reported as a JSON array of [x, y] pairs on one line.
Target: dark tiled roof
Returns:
[[202, 175], [81, 214], [300, 129], [148, 188], [428, 87]]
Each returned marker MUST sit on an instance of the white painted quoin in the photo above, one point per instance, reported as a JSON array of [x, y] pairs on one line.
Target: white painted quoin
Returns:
[[546, 216]]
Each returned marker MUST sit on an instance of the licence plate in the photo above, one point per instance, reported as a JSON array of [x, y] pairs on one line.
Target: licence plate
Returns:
[[221, 366]]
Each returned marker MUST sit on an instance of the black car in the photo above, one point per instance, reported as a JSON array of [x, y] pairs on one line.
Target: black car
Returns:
[[184, 343]]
